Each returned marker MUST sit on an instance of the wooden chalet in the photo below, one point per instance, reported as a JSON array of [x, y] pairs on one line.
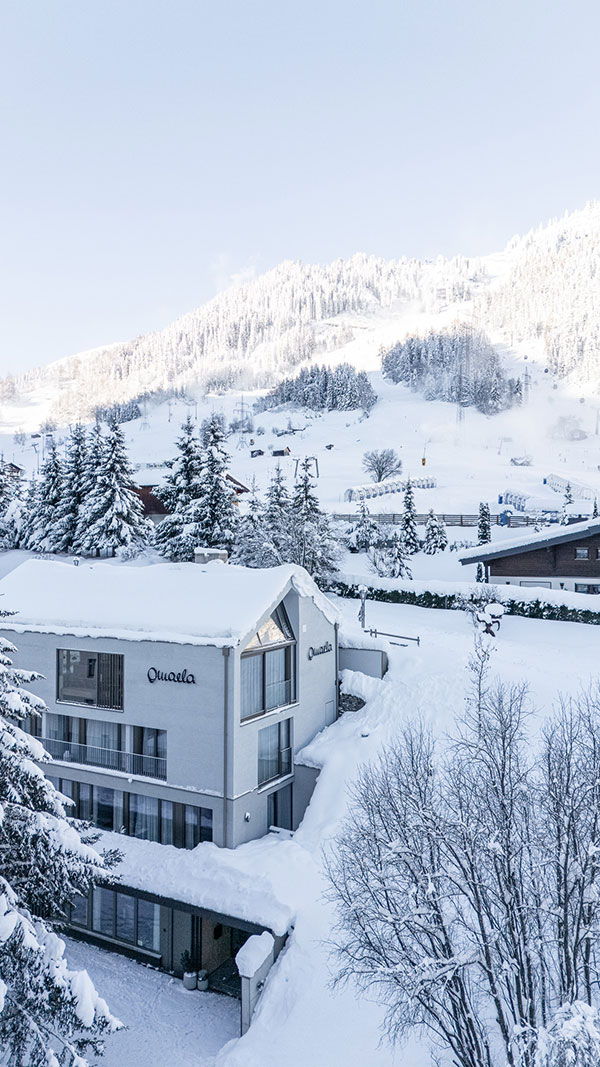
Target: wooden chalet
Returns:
[[560, 557], [149, 481]]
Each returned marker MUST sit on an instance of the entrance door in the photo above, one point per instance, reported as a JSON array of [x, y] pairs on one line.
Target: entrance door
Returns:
[[279, 808]]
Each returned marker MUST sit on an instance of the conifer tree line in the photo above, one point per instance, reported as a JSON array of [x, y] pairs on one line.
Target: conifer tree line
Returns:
[[389, 551], [83, 503], [458, 365], [323, 389]]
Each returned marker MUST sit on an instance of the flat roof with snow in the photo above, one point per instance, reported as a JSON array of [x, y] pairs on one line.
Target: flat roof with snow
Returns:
[[187, 603], [544, 539]]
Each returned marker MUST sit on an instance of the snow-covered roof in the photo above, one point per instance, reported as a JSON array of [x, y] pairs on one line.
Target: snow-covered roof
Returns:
[[553, 535], [207, 876], [187, 603]]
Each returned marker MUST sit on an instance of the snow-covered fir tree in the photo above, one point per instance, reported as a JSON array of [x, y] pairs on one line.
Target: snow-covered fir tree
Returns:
[[112, 515], [181, 486], [68, 510], [595, 508], [436, 538], [45, 502], [7, 488], [277, 519], [480, 573], [11, 511], [408, 522], [49, 1014], [311, 543], [211, 518], [484, 524], [390, 558], [365, 532], [89, 480], [252, 549]]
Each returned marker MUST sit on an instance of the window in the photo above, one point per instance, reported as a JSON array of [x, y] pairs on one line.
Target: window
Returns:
[[94, 678], [279, 808], [148, 925], [32, 724], [145, 817], [149, 752], [582, 553], [107, 808], [581, 587], [79, 911], [268, 667], [103, 911], [198, 825], [121, 917], [274, 751], [125, 917]]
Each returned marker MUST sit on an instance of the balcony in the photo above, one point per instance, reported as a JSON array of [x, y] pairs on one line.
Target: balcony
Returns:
[[110, 759]]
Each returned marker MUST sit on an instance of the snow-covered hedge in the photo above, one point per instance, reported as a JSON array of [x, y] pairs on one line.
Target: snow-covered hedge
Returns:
[[556, 604]]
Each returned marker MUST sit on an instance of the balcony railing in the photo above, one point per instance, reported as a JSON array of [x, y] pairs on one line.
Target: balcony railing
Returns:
[[109, 758]]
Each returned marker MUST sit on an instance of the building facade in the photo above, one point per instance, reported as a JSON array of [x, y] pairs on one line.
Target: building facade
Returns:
[[563, 557], [166, 732]]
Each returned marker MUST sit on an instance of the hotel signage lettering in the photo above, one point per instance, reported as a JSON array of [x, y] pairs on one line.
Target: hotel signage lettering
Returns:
[[321, 650], [154, 675]]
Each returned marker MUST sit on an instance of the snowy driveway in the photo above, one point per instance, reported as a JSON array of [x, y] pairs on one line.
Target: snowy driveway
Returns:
[[166, 1024]]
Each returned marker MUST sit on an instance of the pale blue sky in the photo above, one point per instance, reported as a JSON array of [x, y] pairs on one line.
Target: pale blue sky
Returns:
[[153, 148]]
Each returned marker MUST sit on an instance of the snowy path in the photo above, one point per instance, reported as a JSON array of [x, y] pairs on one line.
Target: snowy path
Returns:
[[166, 1024]]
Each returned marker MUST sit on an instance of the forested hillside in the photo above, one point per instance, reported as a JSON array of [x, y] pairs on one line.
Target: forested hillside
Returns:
[[254, 334], [544, 288], [458, 364], [552, 292]]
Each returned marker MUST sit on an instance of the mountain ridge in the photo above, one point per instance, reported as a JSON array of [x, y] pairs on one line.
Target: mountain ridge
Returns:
[[541, 287]]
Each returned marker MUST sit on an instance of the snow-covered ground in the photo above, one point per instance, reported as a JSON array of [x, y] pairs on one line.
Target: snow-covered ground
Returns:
[[469, 459], [300, 1020], [166, 1024]]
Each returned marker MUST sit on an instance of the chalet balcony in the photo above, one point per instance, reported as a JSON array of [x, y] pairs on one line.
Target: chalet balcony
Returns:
[[110, 759]]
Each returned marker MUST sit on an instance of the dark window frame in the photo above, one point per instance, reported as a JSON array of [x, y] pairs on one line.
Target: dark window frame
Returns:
[[284, 764], [289, 645], [582, 553], [108, 674]]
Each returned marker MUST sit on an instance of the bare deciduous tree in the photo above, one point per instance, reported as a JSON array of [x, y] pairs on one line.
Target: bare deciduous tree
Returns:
[[382, 463], [467, 881]]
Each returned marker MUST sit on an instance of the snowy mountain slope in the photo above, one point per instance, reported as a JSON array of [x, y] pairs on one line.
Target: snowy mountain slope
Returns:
[[469, 459], [253, 333], [543, 289], [551, 291]]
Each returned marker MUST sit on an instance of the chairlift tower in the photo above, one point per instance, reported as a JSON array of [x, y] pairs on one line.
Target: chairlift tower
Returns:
[[311, 459]]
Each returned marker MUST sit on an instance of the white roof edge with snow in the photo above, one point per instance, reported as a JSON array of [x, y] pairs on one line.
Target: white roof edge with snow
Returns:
[[182, 603]]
